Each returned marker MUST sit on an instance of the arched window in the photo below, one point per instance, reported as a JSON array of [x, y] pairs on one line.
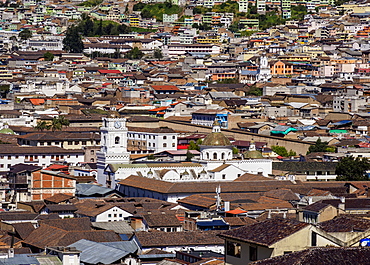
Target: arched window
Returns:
[[164, 145], [164, 137], [223, 156], [214, 155], [116, 140], [207, 155], [92, 152]]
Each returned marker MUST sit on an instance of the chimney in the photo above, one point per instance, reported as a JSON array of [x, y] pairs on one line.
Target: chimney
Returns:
[[342, 204], [227, 206]]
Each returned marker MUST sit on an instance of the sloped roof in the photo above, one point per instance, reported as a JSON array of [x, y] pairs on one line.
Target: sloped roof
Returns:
[[345, 223], [107, 254], [327, 256], [266, 232], [190, 238], [46, 235]]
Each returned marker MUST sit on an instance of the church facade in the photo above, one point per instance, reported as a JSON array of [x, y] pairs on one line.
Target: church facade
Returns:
[[216, 161]]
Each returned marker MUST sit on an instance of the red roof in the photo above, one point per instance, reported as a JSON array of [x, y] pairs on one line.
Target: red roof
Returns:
[[166, 87], [103, 71], [57, 167], [236, 211], [159, 109], [37, 101]]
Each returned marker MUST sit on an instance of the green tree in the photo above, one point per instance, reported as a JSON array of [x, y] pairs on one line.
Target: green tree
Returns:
[[41, 126], [72, 41], [25, 34], [158, 54], [235, 150], [48, 56], [320, 147], [292, 153], [135, 53], [58, 122], [189, 156], [352, 169], [255, 91], [193, 146], [280, 150]]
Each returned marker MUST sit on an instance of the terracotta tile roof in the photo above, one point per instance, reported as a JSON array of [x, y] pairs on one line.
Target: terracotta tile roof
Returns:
[[282, 194], [70, 224], [315, 256], [239, 221], [162, 220], [203, 187], [23, 229], [198, 200], [58, 198], [4, 149], [316, 207], [345, 223], [193, 238], [46, 235], [165, 88], [265, 233]]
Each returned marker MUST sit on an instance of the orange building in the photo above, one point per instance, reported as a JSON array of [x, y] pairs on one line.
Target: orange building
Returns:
[[46, 183], [281, 68]]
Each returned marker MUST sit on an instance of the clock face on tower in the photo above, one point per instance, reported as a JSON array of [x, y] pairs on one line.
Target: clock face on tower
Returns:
[[117, 124]]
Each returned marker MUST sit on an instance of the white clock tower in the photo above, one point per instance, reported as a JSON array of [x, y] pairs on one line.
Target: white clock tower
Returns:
[[113, 148]]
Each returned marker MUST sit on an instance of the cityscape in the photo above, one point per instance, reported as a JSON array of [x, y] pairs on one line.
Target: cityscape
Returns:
[[184, 132]]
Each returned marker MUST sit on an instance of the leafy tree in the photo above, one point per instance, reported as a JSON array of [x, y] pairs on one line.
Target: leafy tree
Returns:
[[255, 91], [138, 6], [235, 150], [58, 122], [351, 169], [298, 12], [158, 54], [135, 53], [41, 126], [280, 150], [25, 34], [193, 146], [292, 153], [48, 56], [320, 147], [72, 41], [189, 156]]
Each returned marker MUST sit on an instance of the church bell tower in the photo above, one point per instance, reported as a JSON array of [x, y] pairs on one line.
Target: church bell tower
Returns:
[[113, 148]]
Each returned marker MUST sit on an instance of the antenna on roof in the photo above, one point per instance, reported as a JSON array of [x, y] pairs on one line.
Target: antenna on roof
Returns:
[[218, 198]]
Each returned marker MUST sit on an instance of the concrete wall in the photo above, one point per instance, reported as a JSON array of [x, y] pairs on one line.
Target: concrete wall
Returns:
[[299, 147]]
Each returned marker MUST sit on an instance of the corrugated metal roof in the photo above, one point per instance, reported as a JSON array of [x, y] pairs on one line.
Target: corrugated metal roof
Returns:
[[120, 227], [94, 253]]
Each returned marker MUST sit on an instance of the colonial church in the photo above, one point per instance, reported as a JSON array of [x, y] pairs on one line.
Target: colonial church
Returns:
[[216, 161]]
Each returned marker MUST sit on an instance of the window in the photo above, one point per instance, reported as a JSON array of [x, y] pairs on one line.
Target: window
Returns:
[[173, 144], [120, 215], [115, 215], [109, 215], [84, 143], [223, 176], [92, 152], [116, 140], [233, 249], [9, 157], [43, 156], [215, 155], [252, 253], [164, 137], [223, 156], [77, 142], [16, 157], [173, 137], [41, 143], [164, 145], [313, 239]]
